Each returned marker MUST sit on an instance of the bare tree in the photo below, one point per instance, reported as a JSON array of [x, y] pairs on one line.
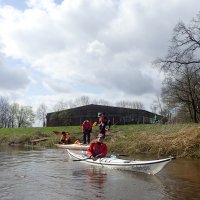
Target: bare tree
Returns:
[[136, 105], [41, 113], [123, 104], [61, 105], [184, 47], [103, 102], [130, 104], [82, 101], [4, 112], [157, 105], [182, 68], [154, 107], [184, 89]]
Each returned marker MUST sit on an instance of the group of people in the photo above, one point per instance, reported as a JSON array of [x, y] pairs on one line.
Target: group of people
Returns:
[[103, 122], [98, 148]]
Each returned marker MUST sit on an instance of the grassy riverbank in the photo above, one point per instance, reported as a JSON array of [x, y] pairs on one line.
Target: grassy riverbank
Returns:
[[182, 140]]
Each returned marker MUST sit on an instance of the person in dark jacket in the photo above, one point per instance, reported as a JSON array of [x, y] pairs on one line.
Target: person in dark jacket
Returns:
[[98, 149], [109, 124]]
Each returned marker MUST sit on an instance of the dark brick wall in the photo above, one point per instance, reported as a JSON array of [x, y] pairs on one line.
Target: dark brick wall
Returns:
[[75, 116]]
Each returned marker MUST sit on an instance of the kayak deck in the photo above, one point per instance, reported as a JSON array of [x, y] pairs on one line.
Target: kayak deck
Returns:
[[73, 146]]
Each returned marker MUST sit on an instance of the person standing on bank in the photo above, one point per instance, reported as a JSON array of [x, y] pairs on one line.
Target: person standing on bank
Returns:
[[97, 149], [102, 123], [86, 130], [109, 124]]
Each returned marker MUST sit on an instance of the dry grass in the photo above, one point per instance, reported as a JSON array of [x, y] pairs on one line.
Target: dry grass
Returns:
[[182, 141]]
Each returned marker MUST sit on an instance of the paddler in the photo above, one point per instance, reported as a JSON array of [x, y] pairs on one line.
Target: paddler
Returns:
[[98, 149], [65, 138]]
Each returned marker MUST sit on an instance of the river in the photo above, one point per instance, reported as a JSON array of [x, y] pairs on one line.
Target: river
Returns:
[[47, 174]]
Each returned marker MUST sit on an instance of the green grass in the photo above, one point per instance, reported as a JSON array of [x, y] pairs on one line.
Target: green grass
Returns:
[[182, 140]]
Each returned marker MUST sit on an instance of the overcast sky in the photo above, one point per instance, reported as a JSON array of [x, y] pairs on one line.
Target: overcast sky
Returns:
[[53, 50]]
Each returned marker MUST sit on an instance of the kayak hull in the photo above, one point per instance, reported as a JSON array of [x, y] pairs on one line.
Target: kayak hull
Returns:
[[148, 167]]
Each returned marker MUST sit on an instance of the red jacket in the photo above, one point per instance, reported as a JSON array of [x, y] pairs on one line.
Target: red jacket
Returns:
[[103, 120], [86, 126], [97, 148]]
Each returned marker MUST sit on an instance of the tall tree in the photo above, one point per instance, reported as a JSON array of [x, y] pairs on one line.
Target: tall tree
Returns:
[[182, 68], [24, 116], [4, 112], [12, 116], [41, 113]]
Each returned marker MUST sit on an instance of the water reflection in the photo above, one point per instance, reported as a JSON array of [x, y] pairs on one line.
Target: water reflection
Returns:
[[96, 177], [93, 180], [182, 180]]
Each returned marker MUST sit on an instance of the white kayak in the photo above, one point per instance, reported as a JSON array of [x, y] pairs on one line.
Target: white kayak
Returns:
[[73, 146], [149, 167]]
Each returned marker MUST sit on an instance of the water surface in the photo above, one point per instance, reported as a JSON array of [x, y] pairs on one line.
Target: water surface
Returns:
[[48, 174]]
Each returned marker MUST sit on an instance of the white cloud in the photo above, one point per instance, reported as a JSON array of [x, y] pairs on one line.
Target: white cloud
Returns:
[[96, 48], [101, 48]]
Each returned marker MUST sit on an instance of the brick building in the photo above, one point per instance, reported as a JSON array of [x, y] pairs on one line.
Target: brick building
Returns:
[[117, 115]]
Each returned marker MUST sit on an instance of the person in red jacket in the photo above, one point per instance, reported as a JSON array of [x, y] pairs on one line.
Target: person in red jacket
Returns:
[[97, 149], [86, 130], [102, 123]]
